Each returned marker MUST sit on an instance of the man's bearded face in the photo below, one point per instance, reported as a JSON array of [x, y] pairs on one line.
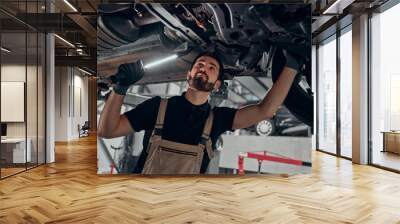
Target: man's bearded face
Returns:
[[200, 81], [204, 74]]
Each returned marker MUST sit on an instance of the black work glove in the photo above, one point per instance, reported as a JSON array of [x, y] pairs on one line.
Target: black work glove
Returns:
[[291, 61], [127, 75]]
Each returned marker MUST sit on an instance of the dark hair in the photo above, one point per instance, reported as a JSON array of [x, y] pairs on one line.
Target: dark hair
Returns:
[[212, 55]]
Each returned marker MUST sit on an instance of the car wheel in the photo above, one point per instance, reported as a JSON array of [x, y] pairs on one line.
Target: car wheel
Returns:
[[265, 127], [299, 100]]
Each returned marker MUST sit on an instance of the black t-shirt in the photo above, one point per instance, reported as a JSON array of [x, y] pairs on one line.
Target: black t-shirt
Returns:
[[183, 123]]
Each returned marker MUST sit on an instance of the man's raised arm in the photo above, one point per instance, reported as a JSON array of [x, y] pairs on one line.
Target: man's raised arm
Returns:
[[267, 108], [112, 123]]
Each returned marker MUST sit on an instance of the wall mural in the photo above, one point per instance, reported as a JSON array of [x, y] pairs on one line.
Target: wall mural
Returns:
[[204, 88]]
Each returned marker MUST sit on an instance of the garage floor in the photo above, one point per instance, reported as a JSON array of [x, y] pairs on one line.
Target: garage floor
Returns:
[[70, 191]]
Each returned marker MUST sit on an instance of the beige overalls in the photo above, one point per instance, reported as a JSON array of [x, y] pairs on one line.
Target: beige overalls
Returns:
[[167, 157]]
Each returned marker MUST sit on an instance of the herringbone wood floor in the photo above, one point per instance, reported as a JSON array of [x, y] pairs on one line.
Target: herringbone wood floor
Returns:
[[70, 191]]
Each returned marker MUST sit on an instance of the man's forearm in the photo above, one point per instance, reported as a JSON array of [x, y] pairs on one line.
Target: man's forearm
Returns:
[[110, 116], [275, 97]]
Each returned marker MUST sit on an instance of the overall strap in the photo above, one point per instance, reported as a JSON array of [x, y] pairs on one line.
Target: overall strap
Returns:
[[157, 131], [208, 125], [205, 137], [160, 117]]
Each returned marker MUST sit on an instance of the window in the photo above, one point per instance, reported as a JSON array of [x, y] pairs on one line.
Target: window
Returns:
[[346, 93], [22, 76], [385, 84], [327, 96]]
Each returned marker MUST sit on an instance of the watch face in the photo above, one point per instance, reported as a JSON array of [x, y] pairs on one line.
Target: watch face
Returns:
[[264, 127]]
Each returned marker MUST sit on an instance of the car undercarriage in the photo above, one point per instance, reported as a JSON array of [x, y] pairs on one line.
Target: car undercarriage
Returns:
[[249, 38]]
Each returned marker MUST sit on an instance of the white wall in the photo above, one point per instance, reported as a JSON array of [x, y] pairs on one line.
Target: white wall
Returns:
[[61, 103], [71, 94], [33, 126], [81, 84], [17, 73], [14, 73]]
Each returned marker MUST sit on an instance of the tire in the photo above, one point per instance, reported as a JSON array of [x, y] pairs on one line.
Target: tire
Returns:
[[299, 101], [265, 127]]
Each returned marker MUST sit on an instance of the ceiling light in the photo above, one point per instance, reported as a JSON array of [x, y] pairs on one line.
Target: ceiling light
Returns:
[[169, 58], [84, 71], [5, 49], [70, 5], [337, 7], [65, 41]]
